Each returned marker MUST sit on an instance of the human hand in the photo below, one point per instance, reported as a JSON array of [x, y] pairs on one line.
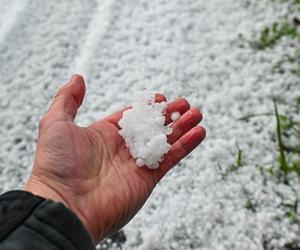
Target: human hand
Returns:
[[90, 169]]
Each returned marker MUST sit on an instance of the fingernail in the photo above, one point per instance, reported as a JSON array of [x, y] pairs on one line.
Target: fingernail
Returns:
[[74, 77], [71, 80]]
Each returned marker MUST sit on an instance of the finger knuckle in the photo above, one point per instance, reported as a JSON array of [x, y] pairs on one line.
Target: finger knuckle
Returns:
[[43, 121], [59, 92]]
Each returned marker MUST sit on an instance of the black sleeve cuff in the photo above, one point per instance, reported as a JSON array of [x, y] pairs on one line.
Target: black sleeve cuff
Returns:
[[24, 216]]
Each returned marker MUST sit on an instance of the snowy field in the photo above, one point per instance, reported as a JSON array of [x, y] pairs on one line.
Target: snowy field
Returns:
[[193, 48]]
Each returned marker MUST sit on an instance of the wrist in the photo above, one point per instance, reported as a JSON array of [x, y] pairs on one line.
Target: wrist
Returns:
[[43, 190], [38, 188]]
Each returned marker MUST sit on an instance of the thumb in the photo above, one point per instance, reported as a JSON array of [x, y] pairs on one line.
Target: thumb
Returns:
[[66, 101]]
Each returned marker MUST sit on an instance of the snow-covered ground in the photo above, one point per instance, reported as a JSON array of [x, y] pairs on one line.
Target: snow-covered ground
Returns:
[[185, 48]]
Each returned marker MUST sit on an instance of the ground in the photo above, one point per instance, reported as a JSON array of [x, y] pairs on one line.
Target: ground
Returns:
[[192, 48]]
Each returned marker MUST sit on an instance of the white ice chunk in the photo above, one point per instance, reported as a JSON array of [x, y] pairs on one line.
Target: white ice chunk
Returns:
[[139, 162], [143, 130], [175, 116]]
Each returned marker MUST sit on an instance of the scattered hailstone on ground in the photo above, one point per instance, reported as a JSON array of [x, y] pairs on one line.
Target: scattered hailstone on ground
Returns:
[[175, 116], [143, 130]]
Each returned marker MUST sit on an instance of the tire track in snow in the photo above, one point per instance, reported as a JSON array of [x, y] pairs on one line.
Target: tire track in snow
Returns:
[[96, 30], [10, 11]]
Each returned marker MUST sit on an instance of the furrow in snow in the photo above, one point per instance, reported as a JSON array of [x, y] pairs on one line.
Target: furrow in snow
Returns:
[[96, 29], [9, 13]]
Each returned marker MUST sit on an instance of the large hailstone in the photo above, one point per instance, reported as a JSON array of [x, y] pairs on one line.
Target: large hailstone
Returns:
[[143, 130]]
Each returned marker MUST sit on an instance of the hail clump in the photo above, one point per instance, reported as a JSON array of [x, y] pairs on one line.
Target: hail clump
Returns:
[[144, 132]]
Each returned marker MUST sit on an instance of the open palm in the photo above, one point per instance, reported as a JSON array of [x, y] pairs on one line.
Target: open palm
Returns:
[[90, 170]]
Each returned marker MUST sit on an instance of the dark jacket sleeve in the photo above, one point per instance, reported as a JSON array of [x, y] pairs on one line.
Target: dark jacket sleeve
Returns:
[[31, 222]]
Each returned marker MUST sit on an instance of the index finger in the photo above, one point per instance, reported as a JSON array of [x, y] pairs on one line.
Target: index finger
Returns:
[[180, 149]]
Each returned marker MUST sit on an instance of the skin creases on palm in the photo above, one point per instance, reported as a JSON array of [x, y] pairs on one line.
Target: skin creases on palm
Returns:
[[90, 170]]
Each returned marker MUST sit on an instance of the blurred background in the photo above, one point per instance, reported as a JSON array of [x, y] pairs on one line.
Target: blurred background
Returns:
[[238, 61]]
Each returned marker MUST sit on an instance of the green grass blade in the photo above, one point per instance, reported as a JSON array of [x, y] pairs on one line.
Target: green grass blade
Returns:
[[282, 157]]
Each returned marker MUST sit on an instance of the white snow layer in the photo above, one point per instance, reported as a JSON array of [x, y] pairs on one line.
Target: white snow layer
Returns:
[[180, 48], [144, 132]]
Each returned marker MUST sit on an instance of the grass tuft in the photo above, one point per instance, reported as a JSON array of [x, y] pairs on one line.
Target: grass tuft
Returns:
[[270, 36], [284, 124], [282, 157], [235, 166], [286, 26]]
